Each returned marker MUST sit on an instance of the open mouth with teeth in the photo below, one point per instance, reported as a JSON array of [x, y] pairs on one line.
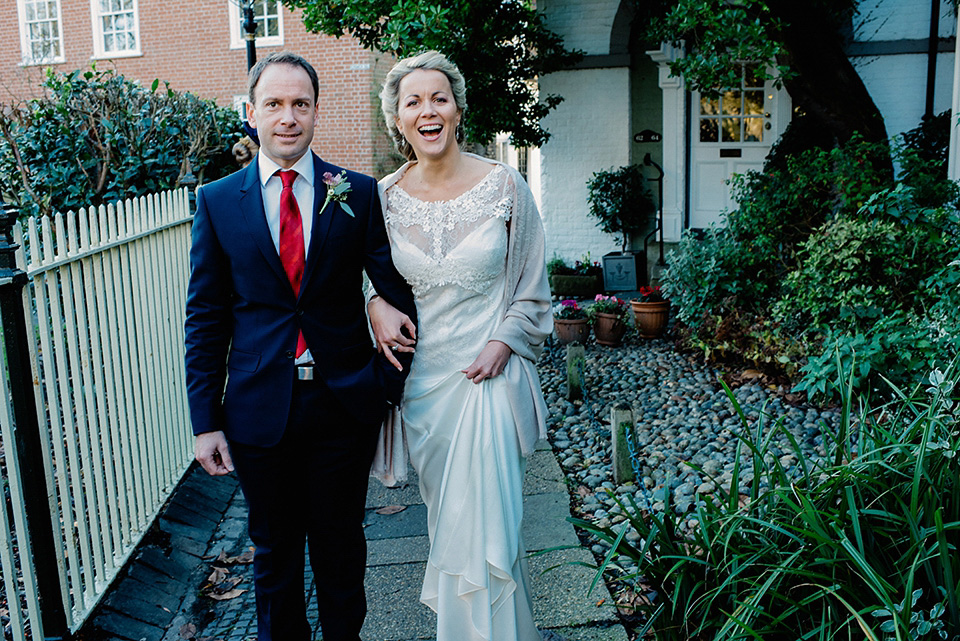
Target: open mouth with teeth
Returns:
[[431, 130]]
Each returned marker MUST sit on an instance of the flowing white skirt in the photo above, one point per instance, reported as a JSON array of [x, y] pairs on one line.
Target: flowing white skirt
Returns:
[[463, 444]]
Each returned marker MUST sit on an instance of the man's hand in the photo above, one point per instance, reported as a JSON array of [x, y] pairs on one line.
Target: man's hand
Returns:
[[490, 363], [388, 323], [210, 449]]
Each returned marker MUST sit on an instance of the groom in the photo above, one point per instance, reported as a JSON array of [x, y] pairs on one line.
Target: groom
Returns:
[[282, 379]]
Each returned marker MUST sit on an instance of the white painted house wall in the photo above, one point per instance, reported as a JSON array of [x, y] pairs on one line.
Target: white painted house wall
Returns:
[[590, 129], [898, 83]]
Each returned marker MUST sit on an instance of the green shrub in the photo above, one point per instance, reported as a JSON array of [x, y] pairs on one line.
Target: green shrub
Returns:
[[96, 137], [850, 273], [743, 265], [861, 543], [923, 157]]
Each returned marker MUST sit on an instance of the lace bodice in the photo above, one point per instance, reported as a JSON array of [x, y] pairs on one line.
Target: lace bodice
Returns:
[[453, 254]]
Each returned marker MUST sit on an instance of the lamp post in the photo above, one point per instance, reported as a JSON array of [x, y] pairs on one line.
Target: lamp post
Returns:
[[249, 30]]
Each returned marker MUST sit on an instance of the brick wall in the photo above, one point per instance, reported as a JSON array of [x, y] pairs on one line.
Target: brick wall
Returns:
[[187, 44], [589, 132]]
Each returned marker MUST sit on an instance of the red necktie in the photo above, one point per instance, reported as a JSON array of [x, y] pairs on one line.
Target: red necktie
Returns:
[[291, 241]]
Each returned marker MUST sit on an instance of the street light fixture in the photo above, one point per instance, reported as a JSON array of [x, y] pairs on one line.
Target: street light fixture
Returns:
[[249, 29]]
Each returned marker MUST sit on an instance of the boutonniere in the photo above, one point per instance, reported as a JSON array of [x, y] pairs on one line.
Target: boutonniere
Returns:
[[337, 189]]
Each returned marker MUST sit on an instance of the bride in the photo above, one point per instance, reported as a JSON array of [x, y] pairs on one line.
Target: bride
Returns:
[[465, 233]]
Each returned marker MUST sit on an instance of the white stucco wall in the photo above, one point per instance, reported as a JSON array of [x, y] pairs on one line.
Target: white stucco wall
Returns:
[[583, 24], [898, 86], [900, 20], [589, 132]]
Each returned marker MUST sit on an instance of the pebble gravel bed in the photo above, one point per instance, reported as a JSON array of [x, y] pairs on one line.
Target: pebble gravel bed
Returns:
[[684, 421]]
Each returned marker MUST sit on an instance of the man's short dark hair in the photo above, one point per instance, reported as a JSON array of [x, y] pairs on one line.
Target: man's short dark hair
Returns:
[[281, 58]]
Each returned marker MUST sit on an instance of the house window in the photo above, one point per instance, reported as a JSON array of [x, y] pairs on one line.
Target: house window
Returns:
[[40, 38], [269, 19], [116, 29], [735, 115]]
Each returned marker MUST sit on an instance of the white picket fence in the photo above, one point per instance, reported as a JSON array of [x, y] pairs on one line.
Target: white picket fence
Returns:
[[105, 302]]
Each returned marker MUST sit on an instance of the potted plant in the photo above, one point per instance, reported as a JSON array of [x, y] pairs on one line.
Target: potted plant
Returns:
[[651, 312], [623, 205], [608, 315], [583, 280], [570, 322]]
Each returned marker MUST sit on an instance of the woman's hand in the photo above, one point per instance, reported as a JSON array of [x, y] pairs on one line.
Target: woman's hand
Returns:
[[388, 323], [490, 363]]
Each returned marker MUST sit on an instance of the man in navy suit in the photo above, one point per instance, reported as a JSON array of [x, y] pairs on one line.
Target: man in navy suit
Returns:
[[283, 382]]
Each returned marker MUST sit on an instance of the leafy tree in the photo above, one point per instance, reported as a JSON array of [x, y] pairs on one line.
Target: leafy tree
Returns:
[[501, 46], [803, 44], [96, 137]]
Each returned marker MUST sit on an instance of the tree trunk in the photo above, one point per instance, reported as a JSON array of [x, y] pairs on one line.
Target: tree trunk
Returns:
[[825, 88]]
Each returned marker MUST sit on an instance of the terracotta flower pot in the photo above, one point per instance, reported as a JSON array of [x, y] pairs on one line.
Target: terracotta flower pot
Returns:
[[651, 317], [571, 329], [609, 329]]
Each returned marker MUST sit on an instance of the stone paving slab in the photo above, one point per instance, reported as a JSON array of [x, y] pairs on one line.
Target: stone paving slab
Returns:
[[160, 591]]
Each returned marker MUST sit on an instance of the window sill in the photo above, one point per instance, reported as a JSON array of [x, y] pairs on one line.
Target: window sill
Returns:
[[119, 54]]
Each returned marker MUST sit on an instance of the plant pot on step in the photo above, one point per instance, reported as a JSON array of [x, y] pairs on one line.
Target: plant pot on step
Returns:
[[571, 330], [575, 285], [609, 329], [651, 318]]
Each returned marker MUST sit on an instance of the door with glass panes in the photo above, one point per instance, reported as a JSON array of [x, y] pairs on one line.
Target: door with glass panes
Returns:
[[732, 133]]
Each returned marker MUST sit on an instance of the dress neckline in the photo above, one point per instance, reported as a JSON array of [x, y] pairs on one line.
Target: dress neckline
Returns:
[[480, 183]]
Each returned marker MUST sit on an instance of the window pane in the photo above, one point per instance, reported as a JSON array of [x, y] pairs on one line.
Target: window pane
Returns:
[[273, 27], [753, 103], [753, 129], [272, 8], [709, 106], [731, 129], [108, 44], [708, 130], [31, 12], [731, 103], [131, 42]]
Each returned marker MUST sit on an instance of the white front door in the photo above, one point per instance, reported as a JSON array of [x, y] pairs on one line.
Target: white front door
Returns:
[[732, 133]]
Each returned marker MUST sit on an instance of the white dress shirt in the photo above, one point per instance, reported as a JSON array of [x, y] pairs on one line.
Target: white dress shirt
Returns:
[[303, 191]]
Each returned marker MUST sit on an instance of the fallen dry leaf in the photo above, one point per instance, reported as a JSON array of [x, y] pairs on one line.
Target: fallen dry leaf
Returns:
[[218, 575], [391, 509], [232, 594], [188, 631], [243, 559]]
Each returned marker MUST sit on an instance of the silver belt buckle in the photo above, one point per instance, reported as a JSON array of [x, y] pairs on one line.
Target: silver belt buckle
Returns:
[[305, 372]]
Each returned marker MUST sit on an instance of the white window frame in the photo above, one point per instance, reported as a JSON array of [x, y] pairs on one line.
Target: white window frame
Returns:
[[26, 50], [238, 36], [99, 50]]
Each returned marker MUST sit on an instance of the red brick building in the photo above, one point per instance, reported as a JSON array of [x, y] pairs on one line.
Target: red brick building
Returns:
[[198, 46]]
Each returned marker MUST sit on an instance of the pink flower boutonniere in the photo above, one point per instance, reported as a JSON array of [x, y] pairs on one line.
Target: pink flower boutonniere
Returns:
[[337, 189]]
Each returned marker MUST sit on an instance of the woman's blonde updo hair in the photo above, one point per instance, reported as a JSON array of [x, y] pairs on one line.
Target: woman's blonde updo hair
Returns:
[[390, 94]]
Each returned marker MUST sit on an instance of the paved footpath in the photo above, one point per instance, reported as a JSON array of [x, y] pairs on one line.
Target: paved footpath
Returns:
[[164, 593]]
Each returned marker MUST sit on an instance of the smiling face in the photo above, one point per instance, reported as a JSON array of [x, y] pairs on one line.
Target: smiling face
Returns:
[[427, 114], [284, 114]]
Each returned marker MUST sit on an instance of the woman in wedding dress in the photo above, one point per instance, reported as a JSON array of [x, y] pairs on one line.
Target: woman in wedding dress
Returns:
[[465, 233]]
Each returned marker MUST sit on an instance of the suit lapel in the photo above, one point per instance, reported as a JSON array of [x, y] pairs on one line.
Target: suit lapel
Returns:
[[321, 222], [251, 207]]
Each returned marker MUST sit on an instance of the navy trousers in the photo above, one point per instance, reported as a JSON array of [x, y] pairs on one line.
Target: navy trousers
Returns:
[[309, 488]]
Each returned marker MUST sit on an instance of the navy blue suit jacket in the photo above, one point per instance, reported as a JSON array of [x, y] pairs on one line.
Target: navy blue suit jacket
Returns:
[[242, 317]]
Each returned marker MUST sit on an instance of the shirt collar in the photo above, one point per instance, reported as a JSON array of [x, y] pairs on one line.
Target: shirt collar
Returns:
[[304, 167]]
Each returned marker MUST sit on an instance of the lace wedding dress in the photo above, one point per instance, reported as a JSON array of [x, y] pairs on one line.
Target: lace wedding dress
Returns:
[[461, 436]]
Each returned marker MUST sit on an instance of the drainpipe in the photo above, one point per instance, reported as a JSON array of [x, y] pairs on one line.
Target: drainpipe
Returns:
[[932, 45]]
